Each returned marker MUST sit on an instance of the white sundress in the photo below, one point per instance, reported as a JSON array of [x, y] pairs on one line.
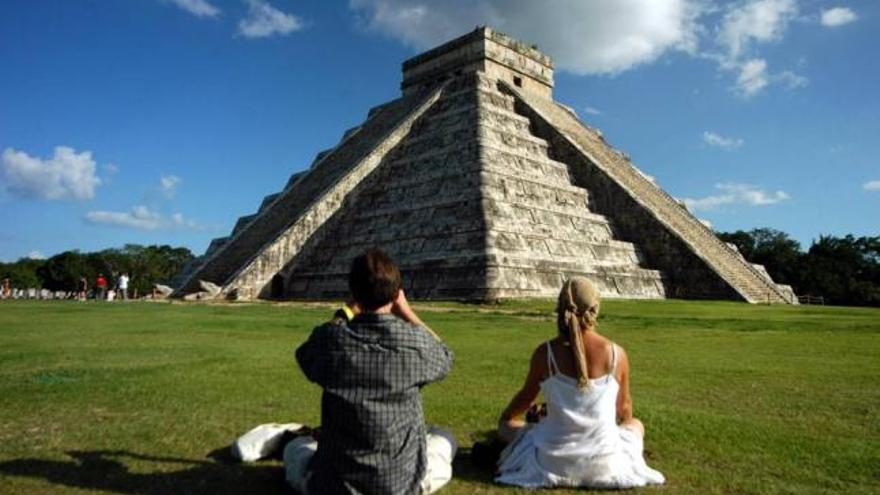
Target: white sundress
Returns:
[[579, 442]]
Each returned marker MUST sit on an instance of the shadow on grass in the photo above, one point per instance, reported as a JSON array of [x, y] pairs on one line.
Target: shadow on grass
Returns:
[[102, 470], [465, 468], [476, 464]]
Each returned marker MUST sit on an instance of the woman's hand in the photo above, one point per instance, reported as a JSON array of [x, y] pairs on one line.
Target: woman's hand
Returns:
[[508, 429]]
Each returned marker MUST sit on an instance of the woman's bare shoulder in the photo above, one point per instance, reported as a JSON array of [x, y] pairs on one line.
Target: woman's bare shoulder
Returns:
[[539, 355]]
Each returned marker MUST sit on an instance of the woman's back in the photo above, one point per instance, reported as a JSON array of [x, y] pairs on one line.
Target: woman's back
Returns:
[[579, 442], [580, 421], [597, 349]]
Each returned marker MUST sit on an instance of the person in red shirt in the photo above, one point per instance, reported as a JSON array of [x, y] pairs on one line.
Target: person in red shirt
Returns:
[[101, 285]]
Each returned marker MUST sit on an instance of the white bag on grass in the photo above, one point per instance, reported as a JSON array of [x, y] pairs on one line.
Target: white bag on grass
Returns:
[[262, 441]]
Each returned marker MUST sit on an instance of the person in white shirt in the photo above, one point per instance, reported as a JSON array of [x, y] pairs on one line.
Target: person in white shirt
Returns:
[[122, 283]]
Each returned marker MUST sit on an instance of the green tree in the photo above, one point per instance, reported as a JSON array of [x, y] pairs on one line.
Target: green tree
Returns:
[[62, 271], [744, 242], [22, 273], [780, 254], [845, 270]]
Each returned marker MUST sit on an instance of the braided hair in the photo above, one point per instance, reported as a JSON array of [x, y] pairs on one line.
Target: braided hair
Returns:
[[577, 309]]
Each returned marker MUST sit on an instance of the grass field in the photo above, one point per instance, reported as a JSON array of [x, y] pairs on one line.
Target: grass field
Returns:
[[144, 398]]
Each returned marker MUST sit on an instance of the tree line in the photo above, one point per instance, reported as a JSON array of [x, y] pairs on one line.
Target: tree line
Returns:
[[145, 265], [843, 270]]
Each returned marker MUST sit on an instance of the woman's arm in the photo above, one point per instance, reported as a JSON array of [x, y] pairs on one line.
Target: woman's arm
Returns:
[[624, 400], [511, 420]]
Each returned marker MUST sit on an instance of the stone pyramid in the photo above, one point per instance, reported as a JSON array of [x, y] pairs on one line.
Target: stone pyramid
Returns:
[[481, 187]]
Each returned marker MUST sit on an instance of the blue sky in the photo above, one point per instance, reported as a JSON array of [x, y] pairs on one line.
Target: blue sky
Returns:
[[163, 121]]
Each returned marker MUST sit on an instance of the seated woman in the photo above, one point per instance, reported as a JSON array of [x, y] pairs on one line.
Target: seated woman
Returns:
[[589, 436]]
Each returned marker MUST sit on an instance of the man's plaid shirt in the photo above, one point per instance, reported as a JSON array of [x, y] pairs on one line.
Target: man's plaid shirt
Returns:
[[372, 426]]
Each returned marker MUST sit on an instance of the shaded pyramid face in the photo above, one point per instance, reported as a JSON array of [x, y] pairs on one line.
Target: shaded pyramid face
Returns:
[[480, 187]]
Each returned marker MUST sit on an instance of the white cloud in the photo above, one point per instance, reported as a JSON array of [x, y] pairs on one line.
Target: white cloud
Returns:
[[110, 168], [606, 36], [35, 255], [871, 185], [140, 217], [66, 175], [752, 77], [592, 110], [595, 37], [756, 21], [178, 220], [168, 184], [719, 141], [264, 20], [198, 8], [735, 193], [746, 25], [790, 80], [838, 16]]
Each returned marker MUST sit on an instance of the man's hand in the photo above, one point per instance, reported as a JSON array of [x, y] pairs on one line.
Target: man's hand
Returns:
[[354, 306], [401, 308]]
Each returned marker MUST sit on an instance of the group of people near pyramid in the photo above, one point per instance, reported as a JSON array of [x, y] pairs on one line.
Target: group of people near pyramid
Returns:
[[374, 356]]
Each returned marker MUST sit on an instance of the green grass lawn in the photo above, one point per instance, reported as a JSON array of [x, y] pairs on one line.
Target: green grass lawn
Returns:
[[140, 398]]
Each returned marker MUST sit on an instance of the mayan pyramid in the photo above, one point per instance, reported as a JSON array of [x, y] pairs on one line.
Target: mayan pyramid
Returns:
[[481, 187]]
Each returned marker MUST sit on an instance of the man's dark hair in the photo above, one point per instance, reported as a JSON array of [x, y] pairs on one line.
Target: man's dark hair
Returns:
[[374, 279]]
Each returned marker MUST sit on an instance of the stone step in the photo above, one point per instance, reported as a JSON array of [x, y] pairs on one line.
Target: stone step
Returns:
[[267, 200], [216, 244], [418, 171], [350, 132], [523, 165], [521, 144], [320, 156], [498, 184], [570, 222], [242, 223], [296, 176], [595, 253]]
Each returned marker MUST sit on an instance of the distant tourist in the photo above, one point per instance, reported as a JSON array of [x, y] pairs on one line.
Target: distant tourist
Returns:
[[122, 286], [372, 360], [6, 290], [587, 436], [101, 286], [82, 288]]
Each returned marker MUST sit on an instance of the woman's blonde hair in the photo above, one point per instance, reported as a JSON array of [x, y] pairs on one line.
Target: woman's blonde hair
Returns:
[[577, 308]]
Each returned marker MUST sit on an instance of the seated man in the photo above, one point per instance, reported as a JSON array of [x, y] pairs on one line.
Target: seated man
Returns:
[[372, 360]]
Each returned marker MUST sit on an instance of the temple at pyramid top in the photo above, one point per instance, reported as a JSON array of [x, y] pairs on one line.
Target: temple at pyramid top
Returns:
[[486, 51], [481, 187]]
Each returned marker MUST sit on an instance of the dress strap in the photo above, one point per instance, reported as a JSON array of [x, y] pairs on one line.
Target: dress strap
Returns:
[[613, 371], [551, 360]]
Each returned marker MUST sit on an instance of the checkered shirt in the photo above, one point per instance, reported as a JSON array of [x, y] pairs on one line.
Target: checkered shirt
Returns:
[[372, 425]]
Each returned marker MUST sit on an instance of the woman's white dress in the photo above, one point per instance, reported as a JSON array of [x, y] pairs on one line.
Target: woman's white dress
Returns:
[[578, 443]]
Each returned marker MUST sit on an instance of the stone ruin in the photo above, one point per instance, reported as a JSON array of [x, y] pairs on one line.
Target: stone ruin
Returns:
[[481, 187]]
